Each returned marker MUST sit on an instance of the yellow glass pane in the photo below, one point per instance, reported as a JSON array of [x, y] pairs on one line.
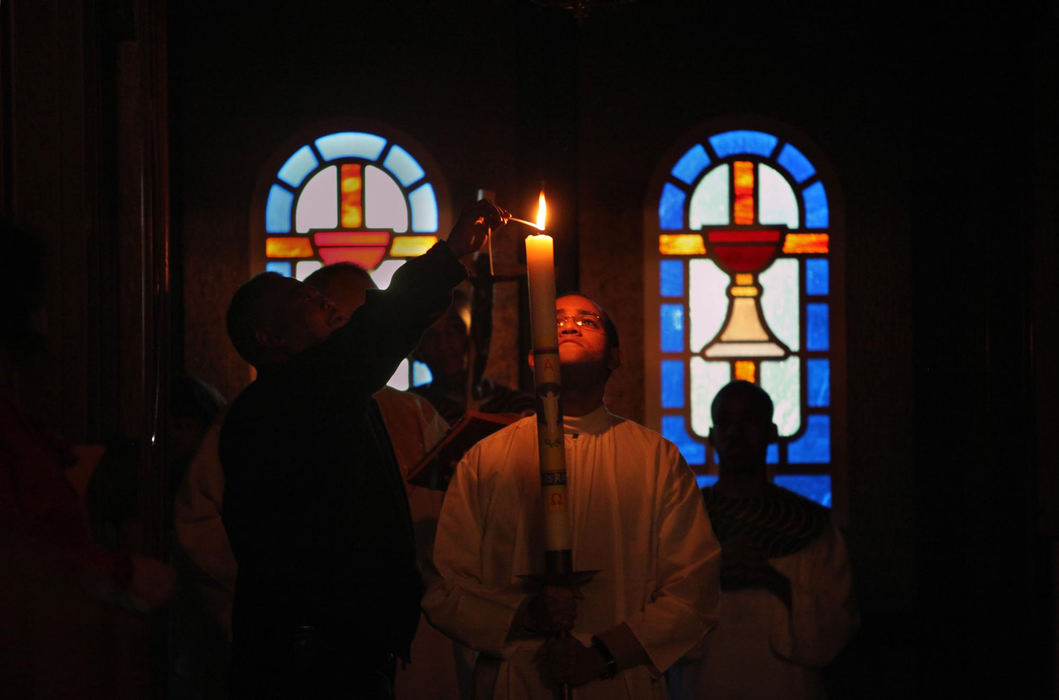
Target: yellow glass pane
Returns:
[[352, 188], [411, 246], [744, 278], [806, 243], [681, 244], [288, 247], [743, 181], [745, 370]]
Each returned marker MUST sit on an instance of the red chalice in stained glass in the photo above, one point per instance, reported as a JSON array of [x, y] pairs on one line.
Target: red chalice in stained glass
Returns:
[[352, 242], [743, 253], [364, 248]]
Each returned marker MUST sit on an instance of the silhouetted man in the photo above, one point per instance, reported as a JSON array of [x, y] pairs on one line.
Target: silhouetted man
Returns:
[[787, 602], [328, 590], [636, 517], [414, 426]]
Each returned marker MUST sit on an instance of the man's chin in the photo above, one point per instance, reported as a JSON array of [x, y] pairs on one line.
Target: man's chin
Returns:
[[574, 354], [581, 372], [741, 465]]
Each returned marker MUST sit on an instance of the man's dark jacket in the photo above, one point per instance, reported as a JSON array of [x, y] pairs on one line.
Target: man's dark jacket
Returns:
[[314, 504]]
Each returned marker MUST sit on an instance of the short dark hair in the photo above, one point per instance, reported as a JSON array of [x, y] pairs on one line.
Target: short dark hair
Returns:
[[611, 330], [749, 389], [246, 315], [322, 277]]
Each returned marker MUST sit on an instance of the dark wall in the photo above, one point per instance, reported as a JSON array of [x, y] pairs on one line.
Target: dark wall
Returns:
[[247, 83], [928, 119]]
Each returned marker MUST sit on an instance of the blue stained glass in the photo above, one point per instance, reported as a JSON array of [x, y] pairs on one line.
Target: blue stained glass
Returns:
[[672, 384], [796, 164], [298, 166], [704, 480], [350, 144], [691, 164], [671, 278], [816, 214], [424, 209], [421, 374], [673, 430], [732, 143], [819, 384], [814, 446], [672, 323], [772, 455], [671, 208], [815, 487], [403, 166], [282, 268], [816, 331], [277, 210], [816, 276]]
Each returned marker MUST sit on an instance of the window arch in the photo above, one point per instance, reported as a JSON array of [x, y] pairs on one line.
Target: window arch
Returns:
[[743, 282], [360, 193]]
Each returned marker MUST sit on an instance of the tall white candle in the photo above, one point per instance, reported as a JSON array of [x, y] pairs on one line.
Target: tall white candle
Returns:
[[540, 270]]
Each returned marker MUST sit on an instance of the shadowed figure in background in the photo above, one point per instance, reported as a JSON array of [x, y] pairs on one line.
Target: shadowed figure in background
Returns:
[[446, 349], [787, 604], [636, 518], [327, 592], [113, 492], [199, 652], [56, 640]]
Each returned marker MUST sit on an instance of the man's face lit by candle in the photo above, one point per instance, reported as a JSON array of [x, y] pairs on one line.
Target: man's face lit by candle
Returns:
[[581, 333]]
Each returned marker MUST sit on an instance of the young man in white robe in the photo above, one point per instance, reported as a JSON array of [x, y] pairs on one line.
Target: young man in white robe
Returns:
[[787, 604], [636, 519]]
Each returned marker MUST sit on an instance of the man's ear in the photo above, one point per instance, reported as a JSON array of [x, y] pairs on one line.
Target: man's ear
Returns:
[[774, 432], [710, 439], [614, 358]]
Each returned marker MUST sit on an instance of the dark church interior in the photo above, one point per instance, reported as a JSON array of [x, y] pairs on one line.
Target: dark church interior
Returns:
[[138, 137]]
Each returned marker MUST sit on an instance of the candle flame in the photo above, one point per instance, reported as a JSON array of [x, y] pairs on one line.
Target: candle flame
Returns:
[[542, 211]]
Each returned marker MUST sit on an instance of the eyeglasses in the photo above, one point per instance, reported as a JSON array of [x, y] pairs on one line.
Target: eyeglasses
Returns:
[[590, 321]]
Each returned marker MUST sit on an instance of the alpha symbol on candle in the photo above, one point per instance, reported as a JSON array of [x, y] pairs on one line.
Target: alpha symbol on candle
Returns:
[[557, 499]]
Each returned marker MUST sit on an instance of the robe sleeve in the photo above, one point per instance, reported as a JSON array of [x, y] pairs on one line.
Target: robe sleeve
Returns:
[[823, 613], [686, 598], [200, 531], [458, 603]]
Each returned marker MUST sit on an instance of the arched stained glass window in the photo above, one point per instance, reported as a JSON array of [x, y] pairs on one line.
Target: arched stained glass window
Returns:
[[741, 272], [372, 199]]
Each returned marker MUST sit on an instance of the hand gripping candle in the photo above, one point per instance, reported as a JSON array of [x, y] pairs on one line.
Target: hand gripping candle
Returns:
[[540, 268]]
